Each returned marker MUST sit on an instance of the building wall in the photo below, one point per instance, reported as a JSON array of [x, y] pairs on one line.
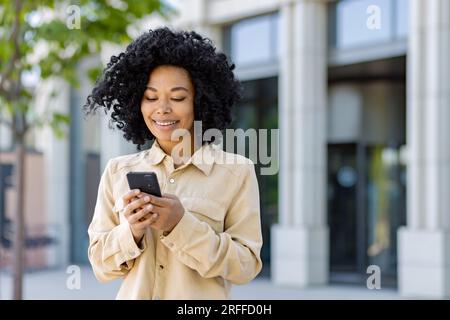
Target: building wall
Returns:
[[41, 236], [428, 44]]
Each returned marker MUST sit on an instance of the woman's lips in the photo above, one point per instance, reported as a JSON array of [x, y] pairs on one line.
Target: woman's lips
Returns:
[[166, 125]]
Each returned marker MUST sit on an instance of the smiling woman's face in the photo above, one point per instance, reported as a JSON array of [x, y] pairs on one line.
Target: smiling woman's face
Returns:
[[168, 102]]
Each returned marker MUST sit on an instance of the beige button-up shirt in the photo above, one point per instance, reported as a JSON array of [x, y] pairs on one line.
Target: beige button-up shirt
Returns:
[[216, 243]]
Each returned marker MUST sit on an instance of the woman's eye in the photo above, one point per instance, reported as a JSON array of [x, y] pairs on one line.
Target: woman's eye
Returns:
[[150, 99], [178, 99]]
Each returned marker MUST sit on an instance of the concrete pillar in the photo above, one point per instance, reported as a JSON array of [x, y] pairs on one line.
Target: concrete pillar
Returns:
[[194, 16], [424, 244], [56, 162], [112, 143], [300, 239]]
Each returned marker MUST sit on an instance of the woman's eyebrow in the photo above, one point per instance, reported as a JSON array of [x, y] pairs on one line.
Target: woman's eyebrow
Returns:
[[179, 88], [173, 89]]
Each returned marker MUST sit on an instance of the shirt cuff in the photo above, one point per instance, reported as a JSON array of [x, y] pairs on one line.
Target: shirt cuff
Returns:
[[181, 233], [128, 246]]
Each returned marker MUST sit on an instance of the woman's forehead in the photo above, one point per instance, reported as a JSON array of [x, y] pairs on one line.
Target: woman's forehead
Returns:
[[168, 75]]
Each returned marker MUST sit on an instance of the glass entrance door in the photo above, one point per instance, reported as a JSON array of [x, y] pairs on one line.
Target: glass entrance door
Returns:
[[366, 178], [385, 206], [342, 207]]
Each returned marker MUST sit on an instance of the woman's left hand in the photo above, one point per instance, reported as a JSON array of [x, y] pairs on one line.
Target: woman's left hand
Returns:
[[169, 211]]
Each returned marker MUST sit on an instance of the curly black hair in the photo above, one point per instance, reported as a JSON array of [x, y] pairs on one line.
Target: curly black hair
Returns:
[[123, 81]]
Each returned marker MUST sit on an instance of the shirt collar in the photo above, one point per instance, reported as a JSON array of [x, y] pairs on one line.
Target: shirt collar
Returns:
[[203, 158], [156, 154]]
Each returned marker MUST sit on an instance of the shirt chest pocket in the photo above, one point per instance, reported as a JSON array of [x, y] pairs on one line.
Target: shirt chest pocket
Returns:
[[206, 210]]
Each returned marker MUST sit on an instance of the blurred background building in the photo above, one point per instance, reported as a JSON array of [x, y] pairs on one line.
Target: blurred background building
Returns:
[[360, 91]]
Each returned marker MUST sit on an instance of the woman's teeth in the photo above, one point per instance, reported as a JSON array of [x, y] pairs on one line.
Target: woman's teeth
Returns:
[[168, 123]]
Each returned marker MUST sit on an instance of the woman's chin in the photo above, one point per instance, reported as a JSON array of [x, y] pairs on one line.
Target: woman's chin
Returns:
[[165, 137]]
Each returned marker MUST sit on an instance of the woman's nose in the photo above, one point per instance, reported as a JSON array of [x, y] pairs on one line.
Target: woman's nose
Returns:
[[164, 108]]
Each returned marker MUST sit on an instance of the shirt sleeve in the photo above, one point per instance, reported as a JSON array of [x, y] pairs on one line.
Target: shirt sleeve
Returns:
[[112, 249], [233, 254]]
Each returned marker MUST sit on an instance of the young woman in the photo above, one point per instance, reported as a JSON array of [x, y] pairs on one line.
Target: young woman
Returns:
[[204, 233]]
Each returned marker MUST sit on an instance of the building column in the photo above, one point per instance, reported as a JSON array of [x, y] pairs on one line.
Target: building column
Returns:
[[424, 243], [56, 159], [194, 16], [112, 143], [299, 248]]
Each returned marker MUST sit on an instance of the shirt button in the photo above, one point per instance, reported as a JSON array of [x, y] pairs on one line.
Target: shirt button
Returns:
[[161, 266], [161, 237], [172, 180]]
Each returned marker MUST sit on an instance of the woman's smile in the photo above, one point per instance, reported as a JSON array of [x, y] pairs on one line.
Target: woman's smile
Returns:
[[166, 125]]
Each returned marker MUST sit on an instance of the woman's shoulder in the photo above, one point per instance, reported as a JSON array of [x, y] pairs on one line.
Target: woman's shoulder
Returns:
[[117, 163]]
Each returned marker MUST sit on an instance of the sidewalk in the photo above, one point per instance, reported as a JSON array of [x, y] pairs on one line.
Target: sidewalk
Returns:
[[51, 284]]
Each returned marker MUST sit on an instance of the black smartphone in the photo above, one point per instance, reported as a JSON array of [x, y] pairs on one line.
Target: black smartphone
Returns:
[[145, 181]]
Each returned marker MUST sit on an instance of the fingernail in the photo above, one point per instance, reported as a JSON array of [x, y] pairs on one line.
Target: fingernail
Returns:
[[136, 191], [147, 198]]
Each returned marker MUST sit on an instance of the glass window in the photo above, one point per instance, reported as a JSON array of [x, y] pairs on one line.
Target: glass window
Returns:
[[254, 41], [357, 22], [402, 18], [354, 23]]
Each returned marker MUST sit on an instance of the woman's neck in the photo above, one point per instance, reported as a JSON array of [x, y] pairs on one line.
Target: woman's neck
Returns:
[[186, 151], [167, 146]]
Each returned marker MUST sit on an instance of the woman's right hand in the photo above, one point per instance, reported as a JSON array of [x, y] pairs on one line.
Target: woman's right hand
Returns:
[[137, 211]]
